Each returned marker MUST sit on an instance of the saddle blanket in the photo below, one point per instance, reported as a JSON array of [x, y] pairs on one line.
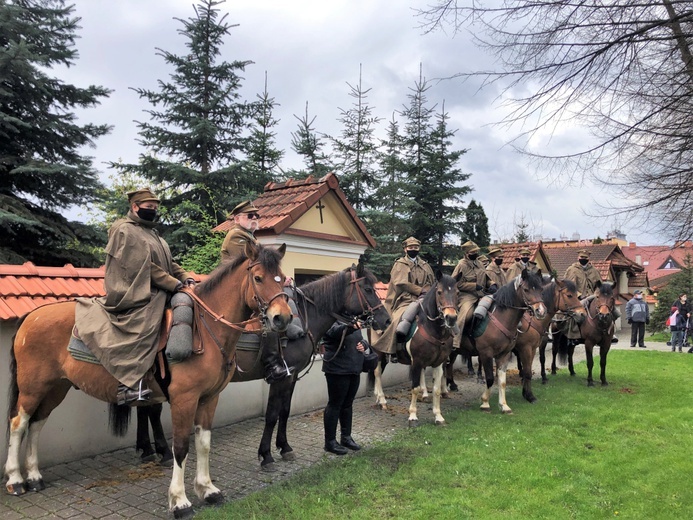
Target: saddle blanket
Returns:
[[80, 351]]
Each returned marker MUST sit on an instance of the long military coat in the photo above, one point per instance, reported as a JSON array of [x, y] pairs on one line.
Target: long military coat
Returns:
[[516, 269], [407, 280], [469, 274], [496, 275], [235, 241], [122, 327], [585, 278]]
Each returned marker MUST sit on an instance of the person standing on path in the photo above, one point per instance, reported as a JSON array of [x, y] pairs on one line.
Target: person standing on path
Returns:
[[637, 315]]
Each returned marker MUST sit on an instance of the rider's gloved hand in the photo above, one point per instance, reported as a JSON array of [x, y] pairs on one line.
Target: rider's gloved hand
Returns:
[[189, 282]]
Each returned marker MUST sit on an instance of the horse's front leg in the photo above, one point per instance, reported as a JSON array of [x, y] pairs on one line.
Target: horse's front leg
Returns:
[[182, 417], [487, 363], [378, 386], [590, 361], [160, 443], [450, 372], [415, 392], [422, 384], [603, 352], [203, 443], [542, 361], [285, 450], [15, 484], [438, 382], [502, 365], [264, 451]]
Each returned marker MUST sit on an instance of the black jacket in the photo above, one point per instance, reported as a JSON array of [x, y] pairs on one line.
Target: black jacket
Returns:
[[346, 360]]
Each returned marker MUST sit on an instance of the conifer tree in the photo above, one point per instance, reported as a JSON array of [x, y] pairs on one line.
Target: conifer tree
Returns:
[[198, 129], [475, 225], [356, 150], [307, 143], [42, 172]]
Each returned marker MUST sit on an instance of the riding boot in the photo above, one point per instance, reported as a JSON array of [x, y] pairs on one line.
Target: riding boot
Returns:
[[330, 419], [127, 395], [345, 422], [404, 326], [276, 368]]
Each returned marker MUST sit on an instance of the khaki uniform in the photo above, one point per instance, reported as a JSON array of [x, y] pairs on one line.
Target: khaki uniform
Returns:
[[407, 279], [469, 274], [515, 270], [585, 280], [121, 328], [234, 243], [496, 275]]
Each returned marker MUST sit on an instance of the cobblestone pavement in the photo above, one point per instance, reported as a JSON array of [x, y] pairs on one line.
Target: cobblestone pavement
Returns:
[[114, 485]]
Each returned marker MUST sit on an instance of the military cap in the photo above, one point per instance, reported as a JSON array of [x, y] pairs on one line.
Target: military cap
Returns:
[[494, 251], [143, 195], [583, 253], [469, 247], [411, 243], [483, 258], [244, 207], [525, 251]]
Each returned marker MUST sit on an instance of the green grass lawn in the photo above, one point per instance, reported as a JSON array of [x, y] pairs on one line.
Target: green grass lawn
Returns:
[[618, 451]]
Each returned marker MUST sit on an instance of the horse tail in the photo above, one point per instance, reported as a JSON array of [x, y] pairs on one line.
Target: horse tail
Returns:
[[118, 419], [13, 390], [563, 348]]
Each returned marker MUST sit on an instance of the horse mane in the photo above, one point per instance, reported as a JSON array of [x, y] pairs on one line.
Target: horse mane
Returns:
[[505, 296], [327, 294], [267, 257], [606, 289]]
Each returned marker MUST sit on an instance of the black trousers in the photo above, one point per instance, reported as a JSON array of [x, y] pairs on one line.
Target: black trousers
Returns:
[[341, 391], [637, 334]]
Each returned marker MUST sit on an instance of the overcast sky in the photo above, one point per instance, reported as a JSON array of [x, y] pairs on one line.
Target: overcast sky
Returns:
[[310, 51]]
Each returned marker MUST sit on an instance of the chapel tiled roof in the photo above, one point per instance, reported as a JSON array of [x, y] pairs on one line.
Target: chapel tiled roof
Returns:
[[512, 251], [26, 287], [283, 203]]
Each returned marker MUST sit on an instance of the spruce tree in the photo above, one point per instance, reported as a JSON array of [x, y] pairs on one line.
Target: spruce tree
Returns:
[[42, 172], [309, 144], [356, 150], [475, 225], [197, 133]]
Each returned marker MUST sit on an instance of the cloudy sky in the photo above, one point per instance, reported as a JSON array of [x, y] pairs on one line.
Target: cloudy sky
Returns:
[[310, 51]]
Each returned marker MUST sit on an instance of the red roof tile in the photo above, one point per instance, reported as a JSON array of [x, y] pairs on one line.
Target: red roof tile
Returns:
[[654, 259], [381, 290], [604, 257], [26, 287], [283, 203]]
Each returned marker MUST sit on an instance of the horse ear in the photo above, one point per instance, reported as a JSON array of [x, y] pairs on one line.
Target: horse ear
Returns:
[[524, 274], [359, 269], [597, 285], [281, 250], [251, 251], [560, 284]]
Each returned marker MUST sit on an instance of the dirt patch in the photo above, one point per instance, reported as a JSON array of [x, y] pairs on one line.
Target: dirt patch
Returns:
[[145, 471]]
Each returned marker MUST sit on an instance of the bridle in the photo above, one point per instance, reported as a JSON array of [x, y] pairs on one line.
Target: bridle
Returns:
[[367, 311], [571, 310], [441, 311], [599, 316], [527, 304], [263, 305]]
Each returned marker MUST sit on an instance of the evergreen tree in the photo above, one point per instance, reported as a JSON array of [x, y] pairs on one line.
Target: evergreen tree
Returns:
[[434, 181], [681, 282], [42, 172], [307, 143], [356, 151], [198, 129], [475, 225], [521, 230]]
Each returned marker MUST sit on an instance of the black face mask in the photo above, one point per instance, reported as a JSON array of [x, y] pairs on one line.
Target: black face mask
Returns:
[[498, 261], [583, 261], [525, 259], [412, 253], [146, 214], [473, 256]]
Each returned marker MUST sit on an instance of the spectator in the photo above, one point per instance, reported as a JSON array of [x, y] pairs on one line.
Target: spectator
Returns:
[[637, 314]]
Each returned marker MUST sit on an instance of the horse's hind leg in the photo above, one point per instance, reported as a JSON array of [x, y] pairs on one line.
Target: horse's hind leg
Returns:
[[160, 443], [542, 361], [415, 392], [590, 363], [488, 371], [450, 372], [378, 387], [204, 488], [422, 384], [144, 443], [18, 427], [285, 450], [502, 379]]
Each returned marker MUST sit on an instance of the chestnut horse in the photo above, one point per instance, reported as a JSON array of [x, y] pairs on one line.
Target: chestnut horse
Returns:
[[348, 294], [42, 370], [597, 329], [559, 297], [430, 345], [524, 293]]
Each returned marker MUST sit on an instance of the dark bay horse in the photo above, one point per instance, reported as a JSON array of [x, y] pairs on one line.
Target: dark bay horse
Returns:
[[496, 343], [42, 370], [559, 297], [430, 345], [596, 330], [343, 295]]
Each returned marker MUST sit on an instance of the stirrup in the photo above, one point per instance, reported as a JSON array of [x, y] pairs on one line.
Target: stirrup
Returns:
[[127, 395]]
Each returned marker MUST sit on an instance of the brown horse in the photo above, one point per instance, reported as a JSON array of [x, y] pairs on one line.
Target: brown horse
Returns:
[[597, 329], [348, 294], [42, 370], [559, 297], [430, 345], [524, 293]]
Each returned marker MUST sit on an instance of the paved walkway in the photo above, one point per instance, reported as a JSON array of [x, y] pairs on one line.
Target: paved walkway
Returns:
[[114, 485]]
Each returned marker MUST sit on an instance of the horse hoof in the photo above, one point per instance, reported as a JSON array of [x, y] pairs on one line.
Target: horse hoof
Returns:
[[183, 513], [413, 423], [270, 467], [215, 498], [453, 387], [590, 383], [148, 458], [605, 383], [425, 399], [485, 409], [544, 381], [383, 407], [35, 485], [17, 489], [507, 412], [441, 423], [167, 461], [289, 456]]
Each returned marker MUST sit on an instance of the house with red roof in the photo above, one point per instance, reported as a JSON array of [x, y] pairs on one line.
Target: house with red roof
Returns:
[[536, 254], [312, 217], [660, 262]]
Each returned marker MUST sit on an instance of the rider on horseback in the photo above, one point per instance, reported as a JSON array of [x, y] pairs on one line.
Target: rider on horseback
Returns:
[[121, 328], [494, 271], [520, 265], [472, 283], [246, 221]]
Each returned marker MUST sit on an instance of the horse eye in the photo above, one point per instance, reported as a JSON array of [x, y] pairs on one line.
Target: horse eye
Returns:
[[258, 279]]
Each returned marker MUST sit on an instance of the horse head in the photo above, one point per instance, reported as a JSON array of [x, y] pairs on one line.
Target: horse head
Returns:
[[567, 301], [529, 287], [446, 299], [604, 303], [266, 281], [362, 300]]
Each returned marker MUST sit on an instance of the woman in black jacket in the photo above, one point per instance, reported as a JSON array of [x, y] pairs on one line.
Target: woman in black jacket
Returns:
[[342, 364]]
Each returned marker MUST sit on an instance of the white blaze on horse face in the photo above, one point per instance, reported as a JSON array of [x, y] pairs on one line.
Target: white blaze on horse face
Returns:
[[540, 310]]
